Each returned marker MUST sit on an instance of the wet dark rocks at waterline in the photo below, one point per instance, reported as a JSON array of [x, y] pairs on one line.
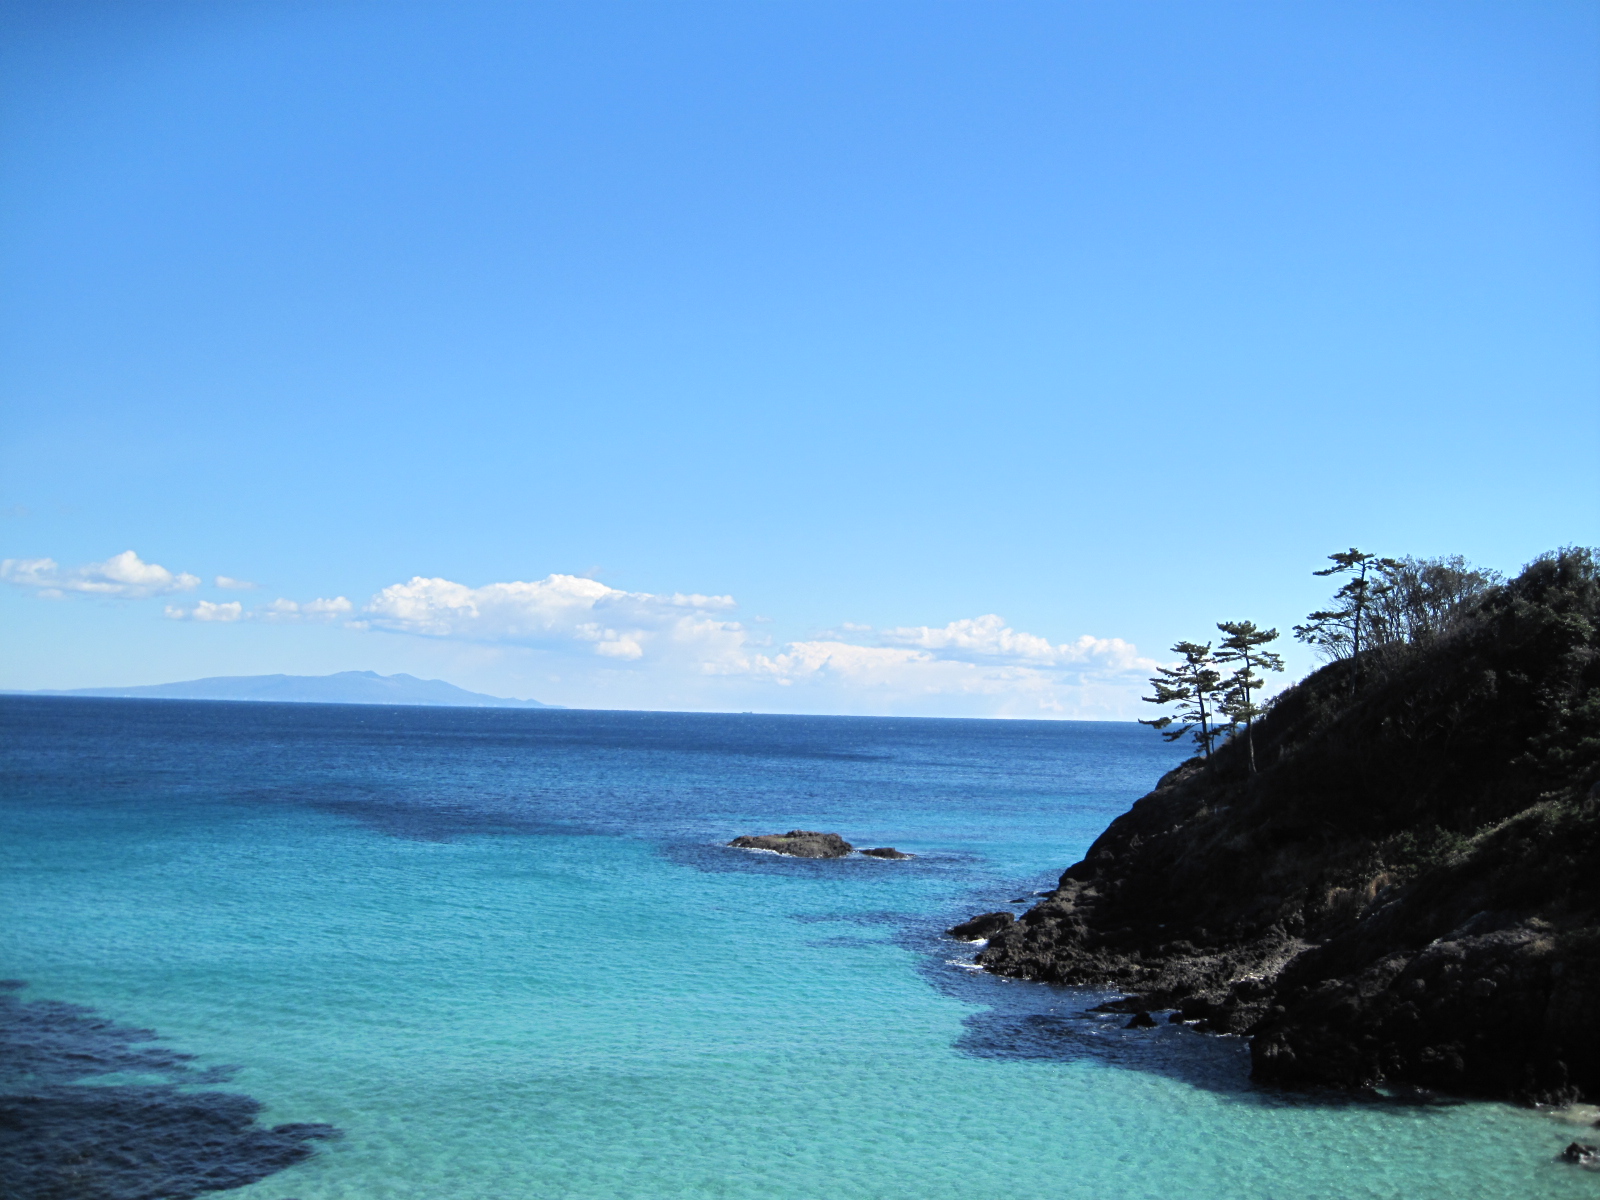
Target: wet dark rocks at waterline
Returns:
[[799, 843], [1402, 889], [60, 1139], [985, 925], [1583, 1154], [807, 843]]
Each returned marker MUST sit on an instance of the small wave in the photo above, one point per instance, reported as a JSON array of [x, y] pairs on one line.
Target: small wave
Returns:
[[1587, 1115], [965, 966]]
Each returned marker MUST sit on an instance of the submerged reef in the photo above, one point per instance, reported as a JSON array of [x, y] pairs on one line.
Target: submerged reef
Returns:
[[66, 1136], [1407, 890]]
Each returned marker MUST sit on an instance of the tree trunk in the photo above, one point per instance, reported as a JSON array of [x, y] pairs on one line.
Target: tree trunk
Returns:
[[1249, 716], [1355, 653]]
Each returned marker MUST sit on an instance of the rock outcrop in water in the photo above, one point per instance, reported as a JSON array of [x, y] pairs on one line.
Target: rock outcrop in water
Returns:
[[1582, 1153], [801, 843], [805, 843], [984, 925], [1407, 891]]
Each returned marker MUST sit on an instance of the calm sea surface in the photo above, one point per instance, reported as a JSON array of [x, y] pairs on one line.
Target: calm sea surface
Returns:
[[507, 955]]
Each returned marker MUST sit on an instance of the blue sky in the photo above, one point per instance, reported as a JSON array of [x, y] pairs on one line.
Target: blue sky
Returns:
[[928, 358]]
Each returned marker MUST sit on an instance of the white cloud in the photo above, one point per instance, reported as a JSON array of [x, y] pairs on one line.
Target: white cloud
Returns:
[[990, 639], [554, 613], [277, 612], [282, 610], [207, 611], [869, 666], [975, 666], [125, 575], [643, 649], [683, 649]]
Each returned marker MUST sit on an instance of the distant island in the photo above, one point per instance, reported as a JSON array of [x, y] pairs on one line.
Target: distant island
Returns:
[[344, 687]]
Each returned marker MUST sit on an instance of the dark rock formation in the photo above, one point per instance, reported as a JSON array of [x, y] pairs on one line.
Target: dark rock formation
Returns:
[[1409, 889], [980, 927], [1583, 1154], [1122, 1004], [886, 852], [802, 843], [1141, 1020]]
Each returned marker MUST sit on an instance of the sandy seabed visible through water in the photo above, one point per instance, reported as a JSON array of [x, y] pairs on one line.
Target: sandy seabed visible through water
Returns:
[[499, 953]]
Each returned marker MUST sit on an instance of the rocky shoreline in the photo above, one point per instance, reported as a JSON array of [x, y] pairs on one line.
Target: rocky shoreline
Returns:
[[1407, 892]]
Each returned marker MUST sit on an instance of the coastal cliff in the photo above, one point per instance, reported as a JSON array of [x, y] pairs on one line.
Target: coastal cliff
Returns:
[[1408, 888]]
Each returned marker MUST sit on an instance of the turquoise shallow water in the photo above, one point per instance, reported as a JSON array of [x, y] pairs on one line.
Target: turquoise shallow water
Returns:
[[507, 955]]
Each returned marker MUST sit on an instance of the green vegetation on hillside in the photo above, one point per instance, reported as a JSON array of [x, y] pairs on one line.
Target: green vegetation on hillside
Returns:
[[1407, 885]]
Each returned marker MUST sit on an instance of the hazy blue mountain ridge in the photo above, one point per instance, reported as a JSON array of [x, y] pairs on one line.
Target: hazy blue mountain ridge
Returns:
[[344, 687]]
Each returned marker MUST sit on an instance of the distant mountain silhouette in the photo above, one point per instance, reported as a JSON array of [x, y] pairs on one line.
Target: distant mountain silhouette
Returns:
[[345, 687]]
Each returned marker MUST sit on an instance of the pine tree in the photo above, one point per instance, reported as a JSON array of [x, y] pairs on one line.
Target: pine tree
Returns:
[[1191, 685], [1242, 645], [1338, 631]]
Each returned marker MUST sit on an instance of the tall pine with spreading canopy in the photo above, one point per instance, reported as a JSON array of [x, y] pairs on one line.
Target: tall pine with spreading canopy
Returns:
[[1193, 686], [1338, 631], [1242, 645]]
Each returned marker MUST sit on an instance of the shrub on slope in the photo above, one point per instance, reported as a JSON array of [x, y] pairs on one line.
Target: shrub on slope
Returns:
[[1406, 889]]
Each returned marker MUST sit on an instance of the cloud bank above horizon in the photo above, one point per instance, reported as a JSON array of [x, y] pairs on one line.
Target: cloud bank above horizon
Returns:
[[645, 649], [123, 575], [692, 636]]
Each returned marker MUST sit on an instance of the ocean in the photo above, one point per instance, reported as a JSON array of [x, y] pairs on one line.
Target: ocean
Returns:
[[329, 952]]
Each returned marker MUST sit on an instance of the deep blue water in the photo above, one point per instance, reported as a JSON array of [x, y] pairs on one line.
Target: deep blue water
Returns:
[[495, 953]]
